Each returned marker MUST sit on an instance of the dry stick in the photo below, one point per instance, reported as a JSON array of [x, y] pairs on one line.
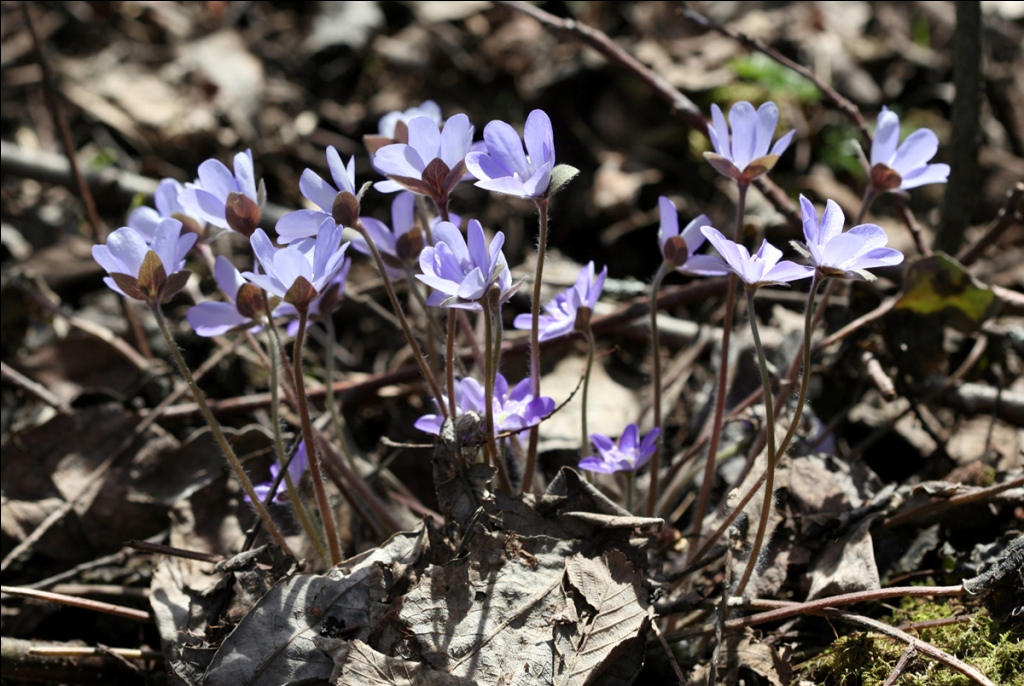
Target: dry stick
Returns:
[[669, 654], [681, 106], [83, 603], [150, 547], [949, 503], [1010, 214], [40, 391], [901, 665]]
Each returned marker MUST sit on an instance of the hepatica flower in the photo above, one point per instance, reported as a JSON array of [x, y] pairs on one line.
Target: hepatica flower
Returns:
[[301, 270], [747, 155], [680, 249], [629, 454], [433, 161], [393, 127], [843, 255], [569, 310], [226, 199], [905, 166], [401, 244], [325, 195], [514, 408], [244, 306], [151, 272], [506, 168], [296, 469], [168, 206], [461, 272], [763, 268]]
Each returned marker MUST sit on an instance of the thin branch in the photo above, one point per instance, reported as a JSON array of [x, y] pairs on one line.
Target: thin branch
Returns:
[[83, 603]]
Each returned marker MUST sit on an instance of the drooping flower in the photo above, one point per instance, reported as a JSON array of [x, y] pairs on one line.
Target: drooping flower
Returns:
[[301, 270], [306, 223], [747, 155], [680, 250], [226, 199], [514, 408], [243, 308], [151, 272], [629, 454], [905, 166], [506, 168], [461, 273], [433, 161], [763, 268], [393, 127], [569, 310], [145, 219], [296, 469], [843, 255]]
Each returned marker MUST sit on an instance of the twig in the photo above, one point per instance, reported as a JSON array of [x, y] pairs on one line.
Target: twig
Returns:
[[15, 377], [681, 106], [904, 660], [149, 547], [1010, 214], [33, 661], [668, 653], [83, 603], [935, 507]]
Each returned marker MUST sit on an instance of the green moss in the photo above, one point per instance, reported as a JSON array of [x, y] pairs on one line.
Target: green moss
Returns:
[[867, 658]]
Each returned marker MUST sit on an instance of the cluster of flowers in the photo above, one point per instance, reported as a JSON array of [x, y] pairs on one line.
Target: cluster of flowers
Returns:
[[421, 154]]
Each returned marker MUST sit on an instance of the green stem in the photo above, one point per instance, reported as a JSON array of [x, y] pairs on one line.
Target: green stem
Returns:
[[218, 435], [428, 375], [723, 379], [769, 482], [490, 372], [652, 493], [312, 449], [542, 243], [282, 457]]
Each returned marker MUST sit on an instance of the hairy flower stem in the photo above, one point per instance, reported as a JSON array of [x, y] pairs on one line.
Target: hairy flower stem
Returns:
[[723, 380], [542, 244], [450, 362], [805, 376], [218, 435], [282, 457], [490, 372], [585, 445], [652, 493], [312, 449], [428, 376], [769, 483]]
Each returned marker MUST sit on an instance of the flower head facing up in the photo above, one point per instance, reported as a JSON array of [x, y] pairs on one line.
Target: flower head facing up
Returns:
[[570, 310], [151, 272], [243, 309], [506, 168], [393, 127], [226, 199], [462, 272], [629, 454], [326, 196], [763, 268], [747, 155], [300, 271], [901, 167], [514, 408], [296, 469], [433, 161], [168, 206], [843, 255], [679, 250]]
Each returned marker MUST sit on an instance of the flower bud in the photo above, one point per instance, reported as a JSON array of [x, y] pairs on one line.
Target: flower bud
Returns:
[[242, 214]]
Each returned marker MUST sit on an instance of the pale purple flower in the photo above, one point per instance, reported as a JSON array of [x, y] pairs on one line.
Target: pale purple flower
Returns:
[[505, 168], [433, 161], [296, 469], [305, 223], [763, 268], [323, 305], [628, 455], [513, 409], [844, 255], [300, 271], [570, 309], [905, 166], [746, 156], [461, 273], [149, 271], [226, 199], [243, 309], [145, 219], [388, 124], [401, 244], [680, 250]]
